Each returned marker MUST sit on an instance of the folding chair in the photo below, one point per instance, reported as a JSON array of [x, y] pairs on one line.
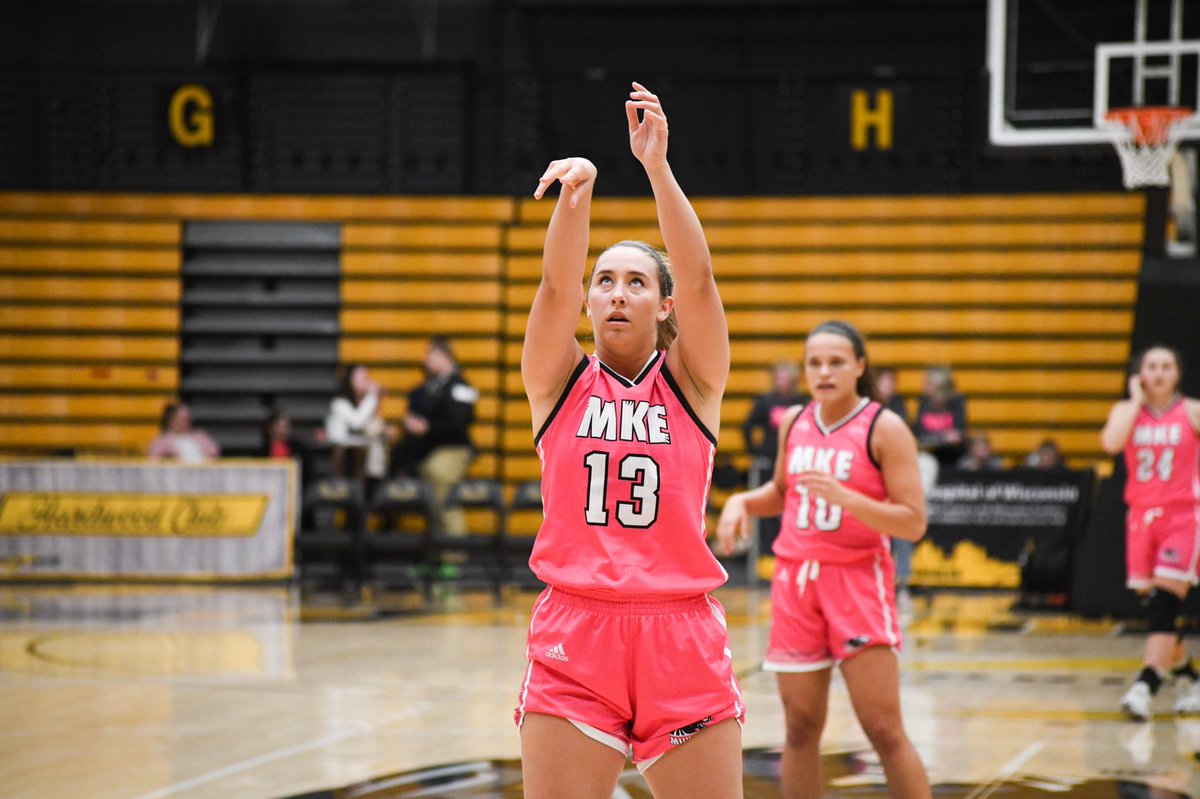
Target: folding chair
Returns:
[[401, 546], [329, 542], [484, 495]]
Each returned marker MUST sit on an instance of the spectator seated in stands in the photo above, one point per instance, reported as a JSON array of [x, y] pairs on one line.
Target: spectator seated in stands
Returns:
[[437, 442], [761, 431], [179, 440], [355, 428], [1047, 457], [277, 437], [980, 456], [885, 391], [941, 420], [761, 428]]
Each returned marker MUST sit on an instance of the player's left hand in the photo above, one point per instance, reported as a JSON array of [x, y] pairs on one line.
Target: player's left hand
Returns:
[[648, 135], [825, 486]]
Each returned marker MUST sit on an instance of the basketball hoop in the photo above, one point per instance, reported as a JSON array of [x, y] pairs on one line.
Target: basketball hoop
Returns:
[[1146, 137]]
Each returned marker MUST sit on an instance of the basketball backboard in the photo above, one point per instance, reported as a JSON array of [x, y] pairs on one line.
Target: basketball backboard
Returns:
[[1057, 67]]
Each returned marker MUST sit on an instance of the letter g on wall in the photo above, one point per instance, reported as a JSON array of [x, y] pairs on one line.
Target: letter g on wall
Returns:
[[190, 116]]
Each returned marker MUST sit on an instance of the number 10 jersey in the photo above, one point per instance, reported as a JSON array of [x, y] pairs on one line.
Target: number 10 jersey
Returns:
[[626, 468]]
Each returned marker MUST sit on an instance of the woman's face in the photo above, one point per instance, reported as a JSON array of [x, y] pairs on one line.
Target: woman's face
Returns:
[[831, 368], [360, 380], [281, 428], [181, 420], [885, 384], [934, 388], [981, 448], [784, 379], [623, 299], [1159, 372]]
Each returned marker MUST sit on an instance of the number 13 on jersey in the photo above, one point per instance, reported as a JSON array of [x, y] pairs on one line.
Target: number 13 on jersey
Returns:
[[640, 472]]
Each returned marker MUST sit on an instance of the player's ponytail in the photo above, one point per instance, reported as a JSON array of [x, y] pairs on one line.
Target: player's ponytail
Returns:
[[865, 386]]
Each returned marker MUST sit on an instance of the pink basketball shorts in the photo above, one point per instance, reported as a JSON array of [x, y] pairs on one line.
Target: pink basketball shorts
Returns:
[[641, 676], [1161, 542], [824, 613]]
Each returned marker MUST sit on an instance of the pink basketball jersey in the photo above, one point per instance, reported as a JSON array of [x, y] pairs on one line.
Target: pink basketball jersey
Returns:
[[1160, 458], [626, 467], [812, 529]]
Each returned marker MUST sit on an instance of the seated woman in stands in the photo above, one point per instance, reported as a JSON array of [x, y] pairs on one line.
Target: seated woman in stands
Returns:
[[179, 440], [354, 425], [941, 421], [980, 456]]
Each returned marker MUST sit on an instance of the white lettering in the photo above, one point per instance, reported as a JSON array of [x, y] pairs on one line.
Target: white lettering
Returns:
[[599, 421], [824, 461], [837, 462], [841, 469], [638, 421], [800, 460], [633, 420], [657, 421]]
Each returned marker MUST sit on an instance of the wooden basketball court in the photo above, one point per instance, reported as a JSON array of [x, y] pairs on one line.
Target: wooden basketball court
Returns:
[[249, 693]]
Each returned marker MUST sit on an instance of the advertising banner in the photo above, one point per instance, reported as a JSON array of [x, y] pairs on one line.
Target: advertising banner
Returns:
[[984, 525], [229, 519]]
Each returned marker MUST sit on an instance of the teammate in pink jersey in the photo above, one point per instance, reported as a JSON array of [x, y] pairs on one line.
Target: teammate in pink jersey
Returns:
[[1156, 429], [846, 478], [627, 653]]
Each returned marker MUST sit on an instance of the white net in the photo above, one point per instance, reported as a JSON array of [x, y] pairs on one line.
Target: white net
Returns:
[[1145, 140]]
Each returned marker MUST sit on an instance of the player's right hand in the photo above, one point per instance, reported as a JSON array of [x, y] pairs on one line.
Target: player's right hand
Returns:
[[734, 524], [577, 174], [1137, 392]]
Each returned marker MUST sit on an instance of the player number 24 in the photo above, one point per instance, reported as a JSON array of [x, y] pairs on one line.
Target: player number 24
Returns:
[[1146, 467]]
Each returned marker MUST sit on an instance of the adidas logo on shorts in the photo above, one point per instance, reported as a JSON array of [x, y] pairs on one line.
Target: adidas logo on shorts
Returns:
[[556, 653]]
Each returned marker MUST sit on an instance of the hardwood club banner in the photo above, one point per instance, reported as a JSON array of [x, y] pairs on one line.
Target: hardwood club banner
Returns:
[[135, 519]]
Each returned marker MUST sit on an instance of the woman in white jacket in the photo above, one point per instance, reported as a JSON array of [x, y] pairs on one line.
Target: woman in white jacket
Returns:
[[354, 422]]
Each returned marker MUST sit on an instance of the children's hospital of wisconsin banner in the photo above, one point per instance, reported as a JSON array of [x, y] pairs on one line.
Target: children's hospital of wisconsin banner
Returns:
[[230, 520], [983, 524]]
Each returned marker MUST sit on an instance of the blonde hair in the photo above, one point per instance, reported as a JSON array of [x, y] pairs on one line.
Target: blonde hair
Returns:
[[668, 329]]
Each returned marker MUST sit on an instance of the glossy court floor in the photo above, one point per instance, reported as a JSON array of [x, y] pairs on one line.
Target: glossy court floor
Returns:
[[251, 693]]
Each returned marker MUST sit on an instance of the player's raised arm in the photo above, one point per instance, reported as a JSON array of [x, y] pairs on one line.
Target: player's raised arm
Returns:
[[700, 356], [551, 351], [1122, 417]]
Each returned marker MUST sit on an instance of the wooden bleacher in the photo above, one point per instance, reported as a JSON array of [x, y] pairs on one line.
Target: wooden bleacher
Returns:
[[89, 330], [1029, 299], [89, 335]]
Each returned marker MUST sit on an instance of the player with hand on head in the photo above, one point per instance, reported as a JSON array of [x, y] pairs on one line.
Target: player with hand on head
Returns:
[[1157, 430]]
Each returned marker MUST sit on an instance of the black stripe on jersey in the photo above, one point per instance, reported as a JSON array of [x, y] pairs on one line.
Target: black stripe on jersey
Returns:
[[571, 381], [792, 426], [625, 381], [666, 373], [870, 433], [840, 423]]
